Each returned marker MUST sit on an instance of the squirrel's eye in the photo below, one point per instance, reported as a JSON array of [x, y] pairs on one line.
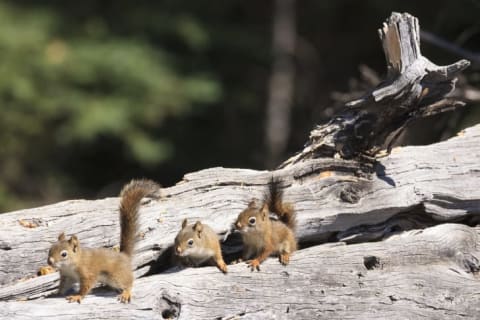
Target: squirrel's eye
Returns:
[[63, 253], [252, 221], [190, 242]]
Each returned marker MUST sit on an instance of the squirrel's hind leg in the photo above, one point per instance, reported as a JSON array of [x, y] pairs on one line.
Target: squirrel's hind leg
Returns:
[[285, 251]]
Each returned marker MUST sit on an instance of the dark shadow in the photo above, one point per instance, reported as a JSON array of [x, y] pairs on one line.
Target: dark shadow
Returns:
[[167, 262], [380, 171], [163, 263], [100, 290]]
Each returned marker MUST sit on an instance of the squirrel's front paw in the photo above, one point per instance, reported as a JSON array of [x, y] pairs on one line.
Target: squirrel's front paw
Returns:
[[125, 296], [284, 258], [74, 298], [253, 264], [222, 266]]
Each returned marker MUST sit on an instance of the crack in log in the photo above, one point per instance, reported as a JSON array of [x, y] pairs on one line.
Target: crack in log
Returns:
[[416, 217], [211, 186], [424, 305], [337, 166], [468, 262], [235, 316], [413, 218], [168, 306]]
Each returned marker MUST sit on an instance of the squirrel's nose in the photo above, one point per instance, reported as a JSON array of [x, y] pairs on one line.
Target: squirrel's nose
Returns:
[[238, 225], [50, 261], [178, 250]]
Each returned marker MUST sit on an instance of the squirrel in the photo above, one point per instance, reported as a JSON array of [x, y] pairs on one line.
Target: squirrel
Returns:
[[263, 236], [88, 265], [197, 244]]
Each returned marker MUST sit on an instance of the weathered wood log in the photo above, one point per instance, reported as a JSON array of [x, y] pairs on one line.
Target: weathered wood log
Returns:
[[425, 273], [414, 187], [420, 204]]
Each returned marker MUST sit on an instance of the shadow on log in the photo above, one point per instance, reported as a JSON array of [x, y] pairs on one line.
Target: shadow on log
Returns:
[[395, 236]]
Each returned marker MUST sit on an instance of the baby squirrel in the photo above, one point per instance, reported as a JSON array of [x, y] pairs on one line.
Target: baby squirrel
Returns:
[[197, 244], [87, 266], [263, 236]]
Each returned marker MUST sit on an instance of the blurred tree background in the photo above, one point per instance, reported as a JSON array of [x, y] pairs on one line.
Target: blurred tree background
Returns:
[[94, 93]]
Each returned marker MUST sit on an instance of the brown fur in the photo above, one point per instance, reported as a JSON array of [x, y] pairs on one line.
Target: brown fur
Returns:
[[89, 266], [131, 194], [263, 236], [285, 211], [204, 247]]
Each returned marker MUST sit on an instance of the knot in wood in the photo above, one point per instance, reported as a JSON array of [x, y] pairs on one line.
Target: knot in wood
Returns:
[[350, 194]]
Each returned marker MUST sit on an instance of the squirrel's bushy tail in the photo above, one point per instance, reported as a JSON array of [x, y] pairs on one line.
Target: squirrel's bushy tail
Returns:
[[131, 194], [284, 211]]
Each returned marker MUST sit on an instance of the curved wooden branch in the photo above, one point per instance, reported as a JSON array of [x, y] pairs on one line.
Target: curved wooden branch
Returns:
[[415, 87]]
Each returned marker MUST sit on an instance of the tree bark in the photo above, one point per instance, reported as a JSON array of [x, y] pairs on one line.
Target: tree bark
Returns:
[[281, 87], [391, 236]]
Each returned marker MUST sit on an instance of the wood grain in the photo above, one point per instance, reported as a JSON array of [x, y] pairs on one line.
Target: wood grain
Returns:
[[423, 273]]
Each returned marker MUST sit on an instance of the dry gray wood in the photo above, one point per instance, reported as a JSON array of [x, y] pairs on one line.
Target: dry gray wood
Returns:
[[420, 204], [421, 273], [422, 186]]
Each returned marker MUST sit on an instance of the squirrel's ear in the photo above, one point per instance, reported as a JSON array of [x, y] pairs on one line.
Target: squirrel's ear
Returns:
[[61, 236], [264, 211], [198, 227], [184, 223], [74, 243], [252, 204]]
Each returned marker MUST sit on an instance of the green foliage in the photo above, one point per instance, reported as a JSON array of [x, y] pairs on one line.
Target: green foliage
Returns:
[[58, 90]]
